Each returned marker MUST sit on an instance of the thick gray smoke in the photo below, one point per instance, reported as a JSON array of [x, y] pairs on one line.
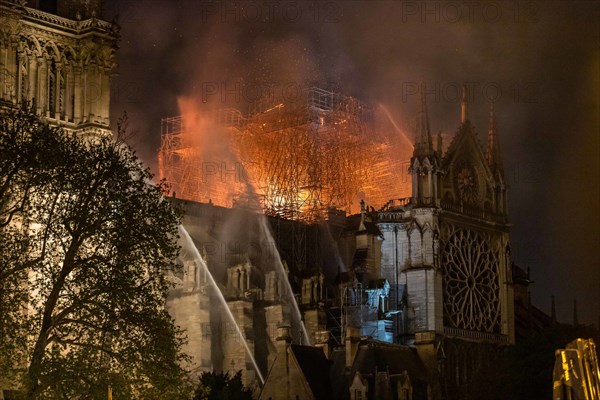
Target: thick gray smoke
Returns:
[[538, 60]]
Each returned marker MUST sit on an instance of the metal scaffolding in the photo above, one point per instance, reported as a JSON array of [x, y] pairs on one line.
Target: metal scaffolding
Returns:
[[314, 153], [184, 161], [301, 157]]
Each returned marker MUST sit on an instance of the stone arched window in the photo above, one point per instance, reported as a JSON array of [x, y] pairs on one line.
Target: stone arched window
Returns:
[[51, 99]]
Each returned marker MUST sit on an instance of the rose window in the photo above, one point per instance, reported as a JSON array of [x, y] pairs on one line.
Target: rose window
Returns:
[[466, 183], [471, 290]]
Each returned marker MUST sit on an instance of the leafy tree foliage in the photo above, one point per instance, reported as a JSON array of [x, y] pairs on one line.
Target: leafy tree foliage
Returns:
[[87, 244], [219, 386]]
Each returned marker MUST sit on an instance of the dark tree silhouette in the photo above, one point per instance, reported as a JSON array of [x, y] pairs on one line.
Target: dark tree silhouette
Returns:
[[219, 386], [87, 243]]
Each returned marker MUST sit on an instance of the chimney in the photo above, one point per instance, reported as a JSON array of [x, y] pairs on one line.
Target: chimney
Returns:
[[283, 339], [383, 389], [322, 341], [352, 343]]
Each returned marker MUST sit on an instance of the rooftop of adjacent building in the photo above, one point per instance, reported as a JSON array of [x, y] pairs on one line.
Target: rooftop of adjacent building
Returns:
[[373, 357]]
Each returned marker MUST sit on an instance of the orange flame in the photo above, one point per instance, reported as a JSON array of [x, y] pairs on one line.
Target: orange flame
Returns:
[[295, 164]]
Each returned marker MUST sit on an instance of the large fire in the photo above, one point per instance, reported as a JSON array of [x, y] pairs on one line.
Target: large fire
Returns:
[[293, 159]]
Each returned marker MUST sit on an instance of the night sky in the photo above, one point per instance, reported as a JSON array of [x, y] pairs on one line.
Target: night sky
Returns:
[[539, 61]]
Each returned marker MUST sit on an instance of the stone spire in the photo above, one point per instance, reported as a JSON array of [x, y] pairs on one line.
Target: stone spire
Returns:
[[425, 163], [464, 111], [423, 142], [493, 155]]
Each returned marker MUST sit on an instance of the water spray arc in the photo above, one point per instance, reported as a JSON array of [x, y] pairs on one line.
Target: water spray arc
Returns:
[[281, 271], [188, 242], [400, 131]]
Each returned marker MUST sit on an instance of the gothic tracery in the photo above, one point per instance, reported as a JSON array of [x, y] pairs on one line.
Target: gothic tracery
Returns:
[[471, 288], [64, 75]]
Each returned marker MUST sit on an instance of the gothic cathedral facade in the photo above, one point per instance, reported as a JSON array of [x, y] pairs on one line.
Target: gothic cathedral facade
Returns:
[[57, 56], [446, 250]]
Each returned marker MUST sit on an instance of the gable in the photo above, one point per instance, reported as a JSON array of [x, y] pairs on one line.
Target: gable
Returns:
[[468, 178], [286, 379], [358, 383]]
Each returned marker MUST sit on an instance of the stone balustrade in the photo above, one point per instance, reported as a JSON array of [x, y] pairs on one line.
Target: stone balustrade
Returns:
[[476, 336]]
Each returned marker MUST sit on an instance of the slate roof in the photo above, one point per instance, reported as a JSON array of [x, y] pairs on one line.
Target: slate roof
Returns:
[[386, 356], [372, 229], [353, 224], [378, 356], [315, 367], [530, 320], [520, 276], [340, 381]]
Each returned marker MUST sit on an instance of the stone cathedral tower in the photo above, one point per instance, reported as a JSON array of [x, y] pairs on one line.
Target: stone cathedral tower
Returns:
[[446, 251], [58, 56]]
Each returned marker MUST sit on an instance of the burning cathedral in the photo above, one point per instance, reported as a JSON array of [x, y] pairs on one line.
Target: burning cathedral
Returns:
[[323, 259], [344, 280]]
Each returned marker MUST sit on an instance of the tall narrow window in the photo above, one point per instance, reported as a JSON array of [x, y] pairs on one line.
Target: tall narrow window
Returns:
[[23, 87], [61, 94], [52, 89]]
